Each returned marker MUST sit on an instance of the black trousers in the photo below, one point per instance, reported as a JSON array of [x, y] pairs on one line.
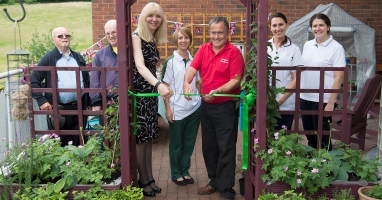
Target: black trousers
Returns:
[[285, 120], [219, 136], [310, 122], [71, 123]]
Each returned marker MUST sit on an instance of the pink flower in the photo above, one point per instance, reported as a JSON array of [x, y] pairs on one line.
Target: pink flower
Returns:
[[10, 141], [314, 170], [323, 160], [288, 153], [276, 135], [3, 139], [112, 165], [256, 140], [286, 168], [298, 181], [80, 146], [284, 127], [270, 151], [298, 173], [53, 135], [70, 142], [67, 164], [252, 130]]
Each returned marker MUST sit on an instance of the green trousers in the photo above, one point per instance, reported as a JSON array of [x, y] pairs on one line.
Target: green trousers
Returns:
[[182, 141]]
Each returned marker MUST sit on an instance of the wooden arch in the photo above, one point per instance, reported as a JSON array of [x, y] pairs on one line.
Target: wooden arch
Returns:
[[125, 82]]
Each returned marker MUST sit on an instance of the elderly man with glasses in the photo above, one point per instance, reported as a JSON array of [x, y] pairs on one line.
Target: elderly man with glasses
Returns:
[[62, 56], [106, 57]]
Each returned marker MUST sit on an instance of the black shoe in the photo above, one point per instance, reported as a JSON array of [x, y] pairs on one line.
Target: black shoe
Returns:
[[180, 183], [189, 180], [155, 189], [147, 194]]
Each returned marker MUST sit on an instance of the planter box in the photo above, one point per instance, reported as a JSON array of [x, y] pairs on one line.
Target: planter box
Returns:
[[78, 188], [280, 187]]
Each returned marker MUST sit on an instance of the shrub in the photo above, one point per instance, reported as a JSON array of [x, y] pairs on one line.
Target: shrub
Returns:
[[40, 45]]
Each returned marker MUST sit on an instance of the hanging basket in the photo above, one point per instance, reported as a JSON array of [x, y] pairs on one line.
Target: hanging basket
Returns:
[[362, 191]]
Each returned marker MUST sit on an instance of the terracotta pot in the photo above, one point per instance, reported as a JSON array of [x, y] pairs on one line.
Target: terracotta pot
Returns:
[[353, 60], [362, 191]]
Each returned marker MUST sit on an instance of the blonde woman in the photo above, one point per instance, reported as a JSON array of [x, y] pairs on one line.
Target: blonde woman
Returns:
[[151, 31]]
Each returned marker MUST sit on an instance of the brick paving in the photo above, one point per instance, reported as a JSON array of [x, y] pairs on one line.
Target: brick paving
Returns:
[[171, 191]]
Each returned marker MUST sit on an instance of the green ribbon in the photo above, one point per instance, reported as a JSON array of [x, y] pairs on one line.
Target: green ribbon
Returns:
[[249, 100], [135, 106]]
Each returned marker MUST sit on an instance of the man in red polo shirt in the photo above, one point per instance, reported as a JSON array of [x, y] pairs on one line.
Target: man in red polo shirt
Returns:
[[221, 66]]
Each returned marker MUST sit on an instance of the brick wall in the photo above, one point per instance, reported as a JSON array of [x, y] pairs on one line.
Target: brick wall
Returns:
[[367, 11]]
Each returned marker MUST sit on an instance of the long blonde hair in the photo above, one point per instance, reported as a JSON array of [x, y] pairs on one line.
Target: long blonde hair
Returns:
[[160, 35]]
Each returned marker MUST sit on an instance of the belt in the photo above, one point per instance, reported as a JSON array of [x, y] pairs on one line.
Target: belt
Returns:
[[71, 103]]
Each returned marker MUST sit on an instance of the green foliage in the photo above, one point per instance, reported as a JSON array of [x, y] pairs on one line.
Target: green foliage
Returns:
[[288, 195], [111, 131], [375, 192], [40, 45], [50, 191], [46, 161], [129, 193], [344, 194], [302, 166], [249, 83]]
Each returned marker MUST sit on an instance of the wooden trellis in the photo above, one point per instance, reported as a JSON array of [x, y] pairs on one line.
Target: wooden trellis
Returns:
[[200, 20]]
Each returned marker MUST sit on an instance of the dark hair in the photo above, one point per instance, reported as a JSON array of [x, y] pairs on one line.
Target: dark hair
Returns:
[[282, 16], [216, 20], [320, 16]]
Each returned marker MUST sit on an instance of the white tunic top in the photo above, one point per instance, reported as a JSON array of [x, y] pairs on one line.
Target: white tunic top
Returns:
[[288, 55], [327, 54], [174, 76]]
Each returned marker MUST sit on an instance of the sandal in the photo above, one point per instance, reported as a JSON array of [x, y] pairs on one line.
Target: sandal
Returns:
[[156, 189], [147, 194]]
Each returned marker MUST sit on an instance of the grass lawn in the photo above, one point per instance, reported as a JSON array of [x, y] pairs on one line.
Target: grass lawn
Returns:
[[75, 16]]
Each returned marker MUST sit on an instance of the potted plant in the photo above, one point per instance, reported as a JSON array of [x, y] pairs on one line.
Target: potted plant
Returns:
[[303, 167], [370, 192], [352, 85]]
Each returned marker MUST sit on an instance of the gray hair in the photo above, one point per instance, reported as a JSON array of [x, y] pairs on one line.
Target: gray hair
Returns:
[[216, 20]]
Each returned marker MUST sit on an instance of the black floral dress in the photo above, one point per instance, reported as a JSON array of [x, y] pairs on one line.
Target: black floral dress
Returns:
[[147, 107]]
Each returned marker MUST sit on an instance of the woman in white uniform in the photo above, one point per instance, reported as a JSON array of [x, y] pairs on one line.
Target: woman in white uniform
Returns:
[[284, 53], [322, 51]]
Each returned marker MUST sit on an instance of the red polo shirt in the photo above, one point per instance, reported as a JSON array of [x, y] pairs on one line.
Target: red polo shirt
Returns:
[[217, 69]]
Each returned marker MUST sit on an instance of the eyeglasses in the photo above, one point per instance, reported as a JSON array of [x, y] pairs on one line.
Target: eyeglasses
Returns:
[[112, 33], [62, 36]]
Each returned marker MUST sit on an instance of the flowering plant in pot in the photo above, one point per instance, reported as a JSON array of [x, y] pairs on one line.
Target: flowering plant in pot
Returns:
[[370, 192], [300, 166]]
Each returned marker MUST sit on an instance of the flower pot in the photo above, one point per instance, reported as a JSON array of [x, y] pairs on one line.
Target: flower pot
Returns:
[[362, 193], [353, 60], [242, 186]]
